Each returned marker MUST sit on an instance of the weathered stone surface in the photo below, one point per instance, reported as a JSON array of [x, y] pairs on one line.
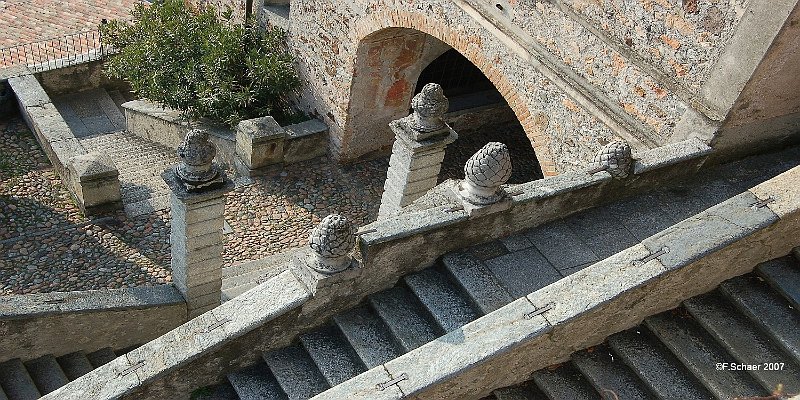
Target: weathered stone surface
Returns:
[[405, 317], [296, 372], [46, 373], [332, 354], [370, 338], [443, 301], [608, 373], [255, 382], [364, 387], [784, 189], [28, 90], [305, 140], [17, 382], [564, 382], [260, 142]]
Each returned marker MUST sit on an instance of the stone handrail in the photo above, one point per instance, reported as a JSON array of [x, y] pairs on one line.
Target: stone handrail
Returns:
[[504, 347], [298, 299]]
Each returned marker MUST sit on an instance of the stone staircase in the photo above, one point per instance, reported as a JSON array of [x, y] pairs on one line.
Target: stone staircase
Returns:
[[752, 319], [96, 118], [35, 378]]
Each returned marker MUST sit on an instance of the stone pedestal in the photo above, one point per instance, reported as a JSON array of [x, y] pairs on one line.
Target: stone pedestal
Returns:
[[414, 165], [196, 240], [96, 182]]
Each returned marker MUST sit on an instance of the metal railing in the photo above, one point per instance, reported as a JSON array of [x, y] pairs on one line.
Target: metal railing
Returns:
[[55, 52]]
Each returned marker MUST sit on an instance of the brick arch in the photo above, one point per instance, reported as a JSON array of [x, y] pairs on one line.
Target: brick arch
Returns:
[[378, 22]]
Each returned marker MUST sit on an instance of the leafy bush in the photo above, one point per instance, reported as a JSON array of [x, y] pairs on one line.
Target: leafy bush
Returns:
[[201, 64]]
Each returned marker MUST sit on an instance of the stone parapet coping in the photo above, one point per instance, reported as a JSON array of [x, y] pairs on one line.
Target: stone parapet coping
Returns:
[[34, 325], [581, 310], [91, 178]]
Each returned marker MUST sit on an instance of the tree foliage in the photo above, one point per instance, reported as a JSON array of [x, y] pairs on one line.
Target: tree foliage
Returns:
[[201, 64]]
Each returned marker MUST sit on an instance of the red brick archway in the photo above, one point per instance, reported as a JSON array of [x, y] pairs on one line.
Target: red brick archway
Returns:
[[393, 48]]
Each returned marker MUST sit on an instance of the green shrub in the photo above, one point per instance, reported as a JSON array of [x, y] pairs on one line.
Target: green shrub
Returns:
[[202, 65]]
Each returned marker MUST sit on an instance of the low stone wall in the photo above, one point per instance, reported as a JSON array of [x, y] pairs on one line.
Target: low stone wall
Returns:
[[92, 178], [60, 323], [77, 78], [504, 347], [298, 300], [298, 142]]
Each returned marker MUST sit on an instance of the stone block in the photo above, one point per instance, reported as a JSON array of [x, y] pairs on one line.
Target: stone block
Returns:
[[96, 180], [260, 142], [688, 150], [28, 91], [784, 189], [305, 140]]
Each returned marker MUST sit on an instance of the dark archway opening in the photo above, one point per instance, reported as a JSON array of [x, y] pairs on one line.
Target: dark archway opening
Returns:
[[480, 114]]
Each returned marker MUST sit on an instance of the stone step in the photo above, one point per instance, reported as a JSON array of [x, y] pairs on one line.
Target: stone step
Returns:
[[296, 372], [659, 370], [3, 394], [256, 383], [564, 382], [406, 318], [75, 365], [101, 357], [477, 281], [368, 335], [744, 341], [701, 354], [223, 391], [16, 381], [118, 99], [332, 354], [608, 374], [46, 374], [443, 300], [771, 312], [783, 274], [523, 391]]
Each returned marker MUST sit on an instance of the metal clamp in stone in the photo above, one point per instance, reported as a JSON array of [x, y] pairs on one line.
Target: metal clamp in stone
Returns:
[[616, 158], [130, 369], [382, 386], [331, 243], [197, 170], [217, 325], [539, 311], [484, 174], [763, 203], [651, 257]]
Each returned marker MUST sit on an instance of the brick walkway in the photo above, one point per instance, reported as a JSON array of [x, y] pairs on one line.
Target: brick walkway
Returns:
[[27, 21]]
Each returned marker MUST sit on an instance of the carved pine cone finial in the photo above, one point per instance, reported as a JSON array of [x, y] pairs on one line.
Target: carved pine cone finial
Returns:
[[485, 172], [332, 240], [616, 158], [429, 106], [197, 158]]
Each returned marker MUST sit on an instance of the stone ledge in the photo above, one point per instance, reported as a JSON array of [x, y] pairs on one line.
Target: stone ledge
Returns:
[[671, 154]]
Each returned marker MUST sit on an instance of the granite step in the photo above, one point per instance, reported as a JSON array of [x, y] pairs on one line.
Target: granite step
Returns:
[[46, 374], [609, 375], [101, 357], [75, 365], [701, 354], [256, 383], [332, 354], [564, 382], [16, 382], [745, 342], [477, 281], [405, 317], [3, 394], [223, 391], [783, 274], [523, 391], [767, 309], [368, 335], [295, 372], [444, 301], [658, 369]]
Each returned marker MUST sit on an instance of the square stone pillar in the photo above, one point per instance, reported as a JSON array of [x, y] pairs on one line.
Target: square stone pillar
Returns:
[[414, 165], [196, 241]]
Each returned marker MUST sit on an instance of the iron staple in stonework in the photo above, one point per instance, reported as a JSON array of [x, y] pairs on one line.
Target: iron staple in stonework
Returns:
[[132, 368], [652, 256], [763, 203], [217, 325], [539, 311], [384, 385]]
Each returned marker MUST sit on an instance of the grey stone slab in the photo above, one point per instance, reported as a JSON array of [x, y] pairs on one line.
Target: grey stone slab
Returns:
[[3, 394], [658, 369], [486, 251], [16, 382], [444, 301], [606, 372], [296, 372], [642, 215], [516, 242], [783, 274], [333, 355], [256, 383], [364, 387], [28, 90], [523, 272], [611, 242], [771, 312], [700, 354], [478, 281], [46, 374], [593, 222], [710, 230], [101, 356], [368, 335], [564, 382], [406, 318], [559, 244], [744, 341], [524, 391]]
